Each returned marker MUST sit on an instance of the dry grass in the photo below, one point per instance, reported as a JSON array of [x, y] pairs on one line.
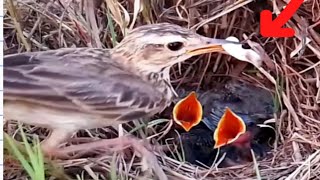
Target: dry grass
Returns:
[[291, 69]]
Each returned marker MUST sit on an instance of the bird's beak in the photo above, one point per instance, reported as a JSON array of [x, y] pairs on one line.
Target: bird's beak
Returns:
[[229, 129], [230, 46], [209, 45], [188, 112]]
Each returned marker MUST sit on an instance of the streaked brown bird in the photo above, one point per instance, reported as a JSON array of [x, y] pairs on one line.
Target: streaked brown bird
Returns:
[[70, 89]]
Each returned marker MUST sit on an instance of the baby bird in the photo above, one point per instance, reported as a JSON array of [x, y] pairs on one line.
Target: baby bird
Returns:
[[233, 117]]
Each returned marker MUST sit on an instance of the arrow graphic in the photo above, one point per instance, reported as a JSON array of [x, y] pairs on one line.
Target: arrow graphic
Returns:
[[273, 28]]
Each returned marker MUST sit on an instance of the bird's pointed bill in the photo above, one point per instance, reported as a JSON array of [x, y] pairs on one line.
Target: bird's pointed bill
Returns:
[[206, 49], [210, 45], [229, 129], [231, 46], [188, 112]]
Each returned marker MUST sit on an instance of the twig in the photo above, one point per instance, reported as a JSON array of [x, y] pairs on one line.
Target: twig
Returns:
[[12, 10]]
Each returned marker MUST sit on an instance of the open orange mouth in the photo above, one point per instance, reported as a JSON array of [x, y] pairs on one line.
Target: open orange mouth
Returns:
[[229, 129], [188, 112]]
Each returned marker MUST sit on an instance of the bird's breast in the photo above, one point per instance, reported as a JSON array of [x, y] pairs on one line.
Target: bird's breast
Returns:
[[52, 118], [161, 81], [168, 92]]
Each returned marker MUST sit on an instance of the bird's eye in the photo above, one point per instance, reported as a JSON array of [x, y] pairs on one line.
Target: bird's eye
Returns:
[[175, 46], [246, 46]]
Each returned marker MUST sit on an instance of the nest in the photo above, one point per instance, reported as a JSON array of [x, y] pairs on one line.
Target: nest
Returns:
[[291, 70]]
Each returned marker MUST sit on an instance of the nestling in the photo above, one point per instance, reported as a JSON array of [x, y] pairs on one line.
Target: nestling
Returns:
[[233, 117]]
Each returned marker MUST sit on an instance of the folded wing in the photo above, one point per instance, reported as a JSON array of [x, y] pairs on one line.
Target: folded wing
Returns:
[[79, 79]]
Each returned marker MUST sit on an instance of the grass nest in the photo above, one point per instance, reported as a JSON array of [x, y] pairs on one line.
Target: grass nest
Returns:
[[291, 70]]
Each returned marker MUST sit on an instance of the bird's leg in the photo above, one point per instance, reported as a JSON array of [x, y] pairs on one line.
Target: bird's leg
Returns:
[[50, 146], [118, 144]]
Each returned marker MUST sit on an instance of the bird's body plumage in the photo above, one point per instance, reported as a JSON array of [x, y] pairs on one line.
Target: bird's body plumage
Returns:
[[70, 89], [82, 87]]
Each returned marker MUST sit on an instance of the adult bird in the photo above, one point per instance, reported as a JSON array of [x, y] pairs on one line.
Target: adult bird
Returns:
[[233, 120], [70, 89]]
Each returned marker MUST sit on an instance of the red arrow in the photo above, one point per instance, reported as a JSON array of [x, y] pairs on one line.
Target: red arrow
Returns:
[[269, 28]]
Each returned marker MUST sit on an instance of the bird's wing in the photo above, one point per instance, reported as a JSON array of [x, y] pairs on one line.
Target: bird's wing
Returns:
[[79, 79]]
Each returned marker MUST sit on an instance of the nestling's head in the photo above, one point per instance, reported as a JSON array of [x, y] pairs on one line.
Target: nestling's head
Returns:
[[158, 46]]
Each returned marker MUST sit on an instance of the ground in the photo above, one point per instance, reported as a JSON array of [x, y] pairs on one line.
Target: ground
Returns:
[[291, 70]]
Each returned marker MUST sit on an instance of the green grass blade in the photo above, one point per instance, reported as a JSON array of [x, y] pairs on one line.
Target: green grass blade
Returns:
[[12, 147], [31, 155], [31, 158], [40, 158], [111, 29]]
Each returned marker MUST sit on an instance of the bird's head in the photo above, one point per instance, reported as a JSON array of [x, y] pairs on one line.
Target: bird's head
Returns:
[[158, 46]]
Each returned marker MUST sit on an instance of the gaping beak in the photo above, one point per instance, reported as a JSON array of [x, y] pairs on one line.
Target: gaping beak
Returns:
[[188, 112], [229, 129]]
